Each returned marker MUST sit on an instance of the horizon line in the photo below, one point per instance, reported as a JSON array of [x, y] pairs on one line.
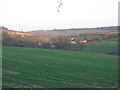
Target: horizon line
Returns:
[[63, 28]]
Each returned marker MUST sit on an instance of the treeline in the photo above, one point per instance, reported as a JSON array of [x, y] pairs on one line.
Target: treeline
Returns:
[[78, 42], [54, 43], [7, 40]]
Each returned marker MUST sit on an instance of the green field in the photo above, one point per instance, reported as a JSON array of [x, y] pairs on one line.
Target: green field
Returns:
[[108, 46], [43, 68]]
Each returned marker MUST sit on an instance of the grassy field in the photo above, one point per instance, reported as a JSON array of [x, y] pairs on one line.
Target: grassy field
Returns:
[[42, 68], [106, 46]]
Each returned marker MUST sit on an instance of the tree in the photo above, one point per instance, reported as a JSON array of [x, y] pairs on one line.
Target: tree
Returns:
[[59, 6]]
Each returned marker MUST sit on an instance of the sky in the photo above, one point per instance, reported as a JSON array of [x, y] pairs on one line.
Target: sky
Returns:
[[27, 15]]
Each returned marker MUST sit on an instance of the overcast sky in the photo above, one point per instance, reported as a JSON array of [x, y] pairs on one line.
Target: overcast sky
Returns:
[[30, 15]]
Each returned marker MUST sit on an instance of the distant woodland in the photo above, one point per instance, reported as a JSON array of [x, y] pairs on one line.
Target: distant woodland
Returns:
[[67, 39]]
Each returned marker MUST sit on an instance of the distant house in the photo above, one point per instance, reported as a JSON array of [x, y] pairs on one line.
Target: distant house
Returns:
[[73, 42], [39, 43], [83, 41], [72, 39], [52, 46]]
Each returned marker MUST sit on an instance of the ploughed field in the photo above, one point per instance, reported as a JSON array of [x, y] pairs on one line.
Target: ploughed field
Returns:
[[43, 68]]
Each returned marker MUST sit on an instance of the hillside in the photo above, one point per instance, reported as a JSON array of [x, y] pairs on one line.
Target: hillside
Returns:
[[107, 46], [36, 68], [64, 32], [75, 30], [98, 40]]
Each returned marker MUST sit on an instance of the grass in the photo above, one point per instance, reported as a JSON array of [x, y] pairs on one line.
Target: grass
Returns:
[[0, 67], [36, 68], [105, 46]]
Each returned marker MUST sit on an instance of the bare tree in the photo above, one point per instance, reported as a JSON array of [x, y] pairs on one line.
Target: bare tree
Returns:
[[60, 4]]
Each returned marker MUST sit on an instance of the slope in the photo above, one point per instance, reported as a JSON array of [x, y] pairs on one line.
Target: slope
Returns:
[[36, 68]]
